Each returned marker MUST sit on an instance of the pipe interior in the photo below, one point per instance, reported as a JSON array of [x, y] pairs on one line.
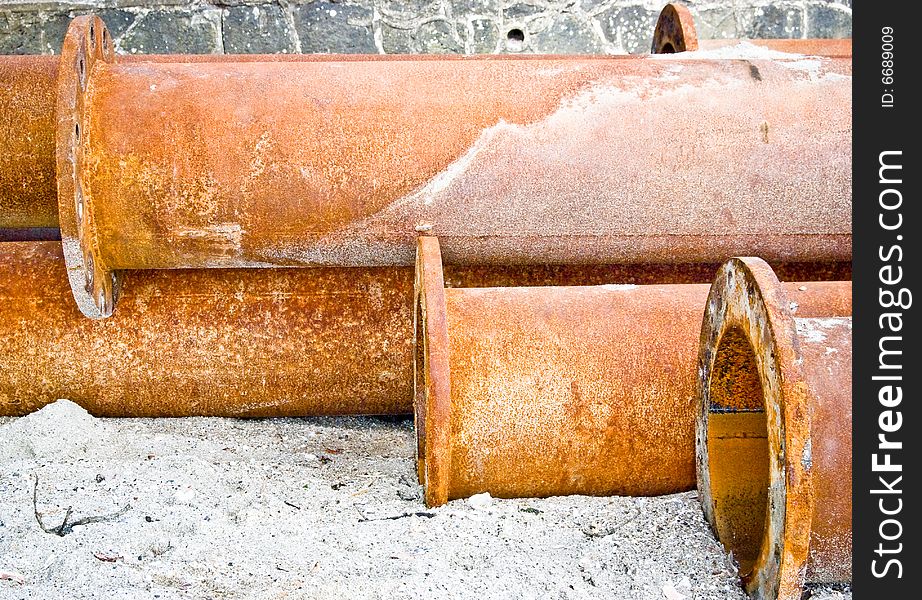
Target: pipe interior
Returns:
[[738, 458]]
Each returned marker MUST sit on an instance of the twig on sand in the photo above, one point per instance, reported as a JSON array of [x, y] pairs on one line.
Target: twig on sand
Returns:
[[592, 532], [427, 515], [108, 557], [67, 526]]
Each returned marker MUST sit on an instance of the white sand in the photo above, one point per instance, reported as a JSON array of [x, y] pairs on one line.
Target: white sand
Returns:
[[289, 508]]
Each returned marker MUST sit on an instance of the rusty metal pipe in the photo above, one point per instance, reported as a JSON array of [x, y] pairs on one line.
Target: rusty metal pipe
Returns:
[[28, 198], [253, 342], [329, 162], [774, 433], [547, 391], [28, 188], [265, 342], [640, 274], [675, 32]]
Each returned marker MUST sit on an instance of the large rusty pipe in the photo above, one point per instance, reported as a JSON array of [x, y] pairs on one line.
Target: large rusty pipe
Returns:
[[675, 31], [28, 187], [252, 342], [547, 391], [774, 433], [266, 342], [28, 196], [604, 160]]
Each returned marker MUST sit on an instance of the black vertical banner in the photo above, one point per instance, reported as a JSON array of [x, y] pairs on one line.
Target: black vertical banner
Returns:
[[887, 368]]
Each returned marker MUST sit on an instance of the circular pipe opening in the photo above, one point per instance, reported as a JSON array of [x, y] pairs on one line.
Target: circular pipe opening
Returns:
[[738, 453]]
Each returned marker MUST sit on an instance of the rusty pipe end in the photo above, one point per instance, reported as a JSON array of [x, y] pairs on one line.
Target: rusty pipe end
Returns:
[[753, 429], [431, 382], [95, 287], [675, 31]]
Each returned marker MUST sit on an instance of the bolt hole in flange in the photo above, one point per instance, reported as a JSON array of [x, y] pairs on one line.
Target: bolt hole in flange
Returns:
[[81, 66], [515, 40]]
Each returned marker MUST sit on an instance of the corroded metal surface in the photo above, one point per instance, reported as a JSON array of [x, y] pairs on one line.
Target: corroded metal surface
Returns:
[[28, 196], [27, 175], [432, 377], [675, 31], [510, 178], [223, 342], [774, 432], [343, 162], [825, 346], [255, 342], [547, 390]]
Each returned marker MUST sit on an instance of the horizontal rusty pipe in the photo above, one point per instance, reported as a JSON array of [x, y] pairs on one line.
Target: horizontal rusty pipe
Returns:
[[28, 187], [547, 391], [252, 342], [267, 342], [675, 32], [774, 433], [28, 196], [604, 160]]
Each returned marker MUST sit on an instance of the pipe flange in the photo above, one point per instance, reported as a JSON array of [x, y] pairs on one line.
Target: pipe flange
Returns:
[[749, 335], [675, 31], [432, 381], [94, 285]]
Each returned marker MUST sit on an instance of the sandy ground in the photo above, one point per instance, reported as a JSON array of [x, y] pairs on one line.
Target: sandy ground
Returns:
[[313, 508]]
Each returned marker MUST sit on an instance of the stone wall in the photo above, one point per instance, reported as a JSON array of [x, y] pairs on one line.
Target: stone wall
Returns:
[[409, 26]]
